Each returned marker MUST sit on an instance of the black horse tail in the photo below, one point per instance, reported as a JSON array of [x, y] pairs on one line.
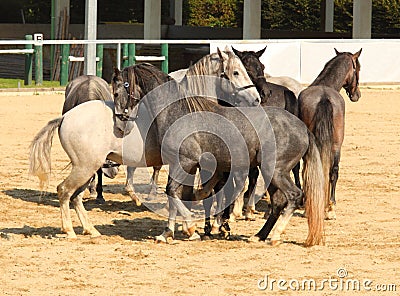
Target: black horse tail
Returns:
[[291, 104], [313, 187], [323, 132], [39, 151]]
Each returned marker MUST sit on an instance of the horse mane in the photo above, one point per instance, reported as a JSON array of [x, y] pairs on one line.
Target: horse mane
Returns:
[[146, 76], [197, 78], [199, 104], [330, 70], [204, 65]]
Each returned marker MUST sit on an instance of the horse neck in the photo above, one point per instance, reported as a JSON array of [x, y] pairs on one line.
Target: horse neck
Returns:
[[333, 75], [208, 65]]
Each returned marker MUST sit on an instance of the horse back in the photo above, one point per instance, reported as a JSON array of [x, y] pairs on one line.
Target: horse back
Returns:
[[85, 88]]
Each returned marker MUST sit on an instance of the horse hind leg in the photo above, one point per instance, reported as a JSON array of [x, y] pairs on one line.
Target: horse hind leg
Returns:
[[284, 194], [334, 175], [129, 185], [72, 188]]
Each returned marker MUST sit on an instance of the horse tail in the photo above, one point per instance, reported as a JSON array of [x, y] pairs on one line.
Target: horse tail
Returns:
[[313, 186], [291, 104], [39, 151], [323, 132]]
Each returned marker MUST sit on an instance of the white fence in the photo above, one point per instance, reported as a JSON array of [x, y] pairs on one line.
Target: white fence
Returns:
[[297, 58], [304, 59]]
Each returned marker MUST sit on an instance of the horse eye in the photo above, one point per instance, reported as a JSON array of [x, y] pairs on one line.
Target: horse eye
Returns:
[[115, 95], [236, 73]]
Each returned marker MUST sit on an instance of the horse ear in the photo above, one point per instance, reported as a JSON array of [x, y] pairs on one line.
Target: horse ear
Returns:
[[236, 52], [222, 55], [337, 52], [357, 54], [261, 52], [117, 72]]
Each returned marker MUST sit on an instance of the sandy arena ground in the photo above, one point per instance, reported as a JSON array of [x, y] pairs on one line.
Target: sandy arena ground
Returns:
[[363, 242]]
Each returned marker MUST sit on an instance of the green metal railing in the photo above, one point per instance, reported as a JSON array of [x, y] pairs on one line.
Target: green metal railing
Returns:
[[129, 58]]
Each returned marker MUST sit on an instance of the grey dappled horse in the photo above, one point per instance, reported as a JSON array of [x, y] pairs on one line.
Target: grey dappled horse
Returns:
[[322, 108], [253, 140]]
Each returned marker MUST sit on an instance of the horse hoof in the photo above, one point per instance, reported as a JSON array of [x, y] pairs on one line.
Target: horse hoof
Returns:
[[92, 232], [100, 200], [67, 235], [330, 215], [250, 217], [160, 239], [275, 243], [138, 203], [214, 230], [165, 237], [207, 237], [195, 237], [254, 239]]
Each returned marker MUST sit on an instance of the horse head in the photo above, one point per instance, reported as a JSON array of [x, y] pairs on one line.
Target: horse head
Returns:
[[255, 69], [252, 63], [236, 81], [352, 78], [127, 94]]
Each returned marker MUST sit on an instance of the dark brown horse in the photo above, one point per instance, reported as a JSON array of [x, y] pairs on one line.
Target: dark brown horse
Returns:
[[322, 109]]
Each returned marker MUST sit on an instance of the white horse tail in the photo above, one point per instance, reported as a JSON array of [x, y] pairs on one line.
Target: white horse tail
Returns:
[[313, 186], [39, 151]]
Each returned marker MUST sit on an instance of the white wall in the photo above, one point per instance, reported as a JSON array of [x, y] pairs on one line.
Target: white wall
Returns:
[[304, 59]]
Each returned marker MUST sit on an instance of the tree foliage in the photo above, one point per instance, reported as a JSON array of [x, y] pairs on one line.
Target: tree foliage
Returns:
[[293, 15], [299, 15], [213, 13]]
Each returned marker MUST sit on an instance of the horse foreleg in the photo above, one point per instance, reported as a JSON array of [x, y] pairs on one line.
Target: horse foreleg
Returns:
[[154, 180], [251, 204], [99, 187], [129, 185], [207, 204], [92, 187], [169, 231]]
